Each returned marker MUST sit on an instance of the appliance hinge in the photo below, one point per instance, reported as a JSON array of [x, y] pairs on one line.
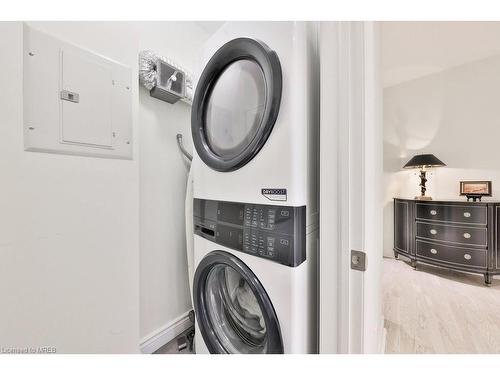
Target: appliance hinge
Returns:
[[358, 260]]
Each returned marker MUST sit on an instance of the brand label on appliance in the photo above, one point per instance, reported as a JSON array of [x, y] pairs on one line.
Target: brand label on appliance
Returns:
[[275, 194]]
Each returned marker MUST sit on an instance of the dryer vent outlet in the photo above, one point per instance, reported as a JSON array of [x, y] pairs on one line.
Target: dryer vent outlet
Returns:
[[170, 83]]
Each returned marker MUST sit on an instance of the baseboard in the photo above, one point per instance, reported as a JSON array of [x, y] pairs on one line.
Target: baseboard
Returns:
[[383, 338], [165, 334]]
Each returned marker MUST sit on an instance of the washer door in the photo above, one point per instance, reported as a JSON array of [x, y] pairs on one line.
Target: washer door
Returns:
[[234, 312], [236, 104]]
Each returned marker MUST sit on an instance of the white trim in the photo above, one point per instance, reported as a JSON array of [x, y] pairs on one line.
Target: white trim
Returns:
[[165, 334], [372, 314], [350, 188], [330, 221], [337, 312], [383, 338]]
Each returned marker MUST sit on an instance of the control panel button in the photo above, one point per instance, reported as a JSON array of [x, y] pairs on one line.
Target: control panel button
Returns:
[[267, 231], [285, 213]]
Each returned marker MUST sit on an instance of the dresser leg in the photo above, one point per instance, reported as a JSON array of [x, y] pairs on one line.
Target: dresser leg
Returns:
[[414, 264], [396, 255], [487, 279]]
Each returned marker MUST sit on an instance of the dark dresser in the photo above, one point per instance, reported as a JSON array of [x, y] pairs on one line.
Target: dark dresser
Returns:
[[452, 234]]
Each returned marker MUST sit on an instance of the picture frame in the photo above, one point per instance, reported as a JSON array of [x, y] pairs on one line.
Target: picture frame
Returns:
[[475, 189]]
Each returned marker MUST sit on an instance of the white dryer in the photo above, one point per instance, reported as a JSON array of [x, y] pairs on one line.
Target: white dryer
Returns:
[[255, 123]]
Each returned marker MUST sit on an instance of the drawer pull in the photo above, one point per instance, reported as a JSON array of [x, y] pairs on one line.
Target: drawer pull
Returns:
[[467, 256], [434, 251], [433, 212], [467, 235], [466, 214], [433, 231]]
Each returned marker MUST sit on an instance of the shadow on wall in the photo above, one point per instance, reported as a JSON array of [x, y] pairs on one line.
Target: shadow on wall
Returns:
[[453, 114], [164, 287]]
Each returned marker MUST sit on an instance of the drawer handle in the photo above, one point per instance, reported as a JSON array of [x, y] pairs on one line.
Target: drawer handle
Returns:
[[433, 212], [467, 256], [467, 235], [466, 214], [433, 231], [434, 251]]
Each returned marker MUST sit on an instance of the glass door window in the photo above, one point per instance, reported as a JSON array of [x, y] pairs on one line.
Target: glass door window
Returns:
[[236, 104], [233, 310]]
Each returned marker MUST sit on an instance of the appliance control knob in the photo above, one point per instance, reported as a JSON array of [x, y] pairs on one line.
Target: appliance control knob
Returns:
[[433, 231], [434, 251], [467, 256]]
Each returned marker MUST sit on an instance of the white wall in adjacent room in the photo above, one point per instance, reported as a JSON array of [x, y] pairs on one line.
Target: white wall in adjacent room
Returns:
[[92, 250], [453, 114]]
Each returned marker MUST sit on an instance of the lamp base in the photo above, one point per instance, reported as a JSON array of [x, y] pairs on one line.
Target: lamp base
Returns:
[[423, 198]]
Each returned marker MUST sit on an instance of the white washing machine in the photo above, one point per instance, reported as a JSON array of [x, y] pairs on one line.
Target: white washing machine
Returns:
[[255, 124]]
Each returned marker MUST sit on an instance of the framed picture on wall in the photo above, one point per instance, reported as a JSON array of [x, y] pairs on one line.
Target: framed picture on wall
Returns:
[[475, 189]]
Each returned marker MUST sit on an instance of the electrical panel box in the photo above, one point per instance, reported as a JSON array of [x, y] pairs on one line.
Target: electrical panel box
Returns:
[[75, 101]]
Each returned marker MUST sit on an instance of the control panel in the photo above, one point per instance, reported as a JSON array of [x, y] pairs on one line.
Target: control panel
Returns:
[[277, 233]]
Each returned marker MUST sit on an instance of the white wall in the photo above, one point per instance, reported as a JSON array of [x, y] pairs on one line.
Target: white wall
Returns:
[[69, 225], [412, 50], [453, 114], [165, 293]]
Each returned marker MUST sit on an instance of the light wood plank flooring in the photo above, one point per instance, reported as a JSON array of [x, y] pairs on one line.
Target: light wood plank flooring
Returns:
[[434, 310]]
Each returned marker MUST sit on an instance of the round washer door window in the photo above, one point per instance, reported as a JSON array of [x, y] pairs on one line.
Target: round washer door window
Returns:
[[236, 104], [233, 310]]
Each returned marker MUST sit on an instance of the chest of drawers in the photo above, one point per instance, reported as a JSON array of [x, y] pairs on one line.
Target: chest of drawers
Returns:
[[451, 234]]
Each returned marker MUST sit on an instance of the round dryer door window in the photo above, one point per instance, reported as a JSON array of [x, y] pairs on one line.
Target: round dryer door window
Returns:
[[236, 104], [233, 310]]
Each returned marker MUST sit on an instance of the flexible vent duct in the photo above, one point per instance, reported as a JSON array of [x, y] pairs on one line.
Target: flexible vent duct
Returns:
[[165, 79]]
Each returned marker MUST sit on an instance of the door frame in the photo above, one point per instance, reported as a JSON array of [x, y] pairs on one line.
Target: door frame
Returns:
[[350, 314]]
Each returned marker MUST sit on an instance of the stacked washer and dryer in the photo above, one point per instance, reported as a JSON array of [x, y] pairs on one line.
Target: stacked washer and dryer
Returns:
[[255, 125]]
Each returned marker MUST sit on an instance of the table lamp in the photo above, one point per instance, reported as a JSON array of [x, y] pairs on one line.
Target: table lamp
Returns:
[[423, 162]]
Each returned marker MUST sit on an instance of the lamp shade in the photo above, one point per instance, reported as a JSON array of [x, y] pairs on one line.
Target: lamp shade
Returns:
[[424, 160]]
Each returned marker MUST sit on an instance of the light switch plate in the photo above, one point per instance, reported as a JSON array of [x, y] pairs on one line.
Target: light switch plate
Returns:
[[358, 260]]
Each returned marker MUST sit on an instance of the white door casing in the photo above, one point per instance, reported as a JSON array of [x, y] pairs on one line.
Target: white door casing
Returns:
[[351, 168]]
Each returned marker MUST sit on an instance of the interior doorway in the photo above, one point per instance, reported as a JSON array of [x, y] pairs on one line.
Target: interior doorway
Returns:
[[440, 84]]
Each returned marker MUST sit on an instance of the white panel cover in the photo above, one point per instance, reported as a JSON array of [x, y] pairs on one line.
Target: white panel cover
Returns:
[[97, 123], [89, 120]]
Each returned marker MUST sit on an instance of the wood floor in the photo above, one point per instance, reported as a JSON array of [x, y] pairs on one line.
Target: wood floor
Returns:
[[434, 310]]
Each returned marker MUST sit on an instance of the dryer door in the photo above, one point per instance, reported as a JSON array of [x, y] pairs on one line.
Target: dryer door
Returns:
[[236, 104], [234, 312]]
